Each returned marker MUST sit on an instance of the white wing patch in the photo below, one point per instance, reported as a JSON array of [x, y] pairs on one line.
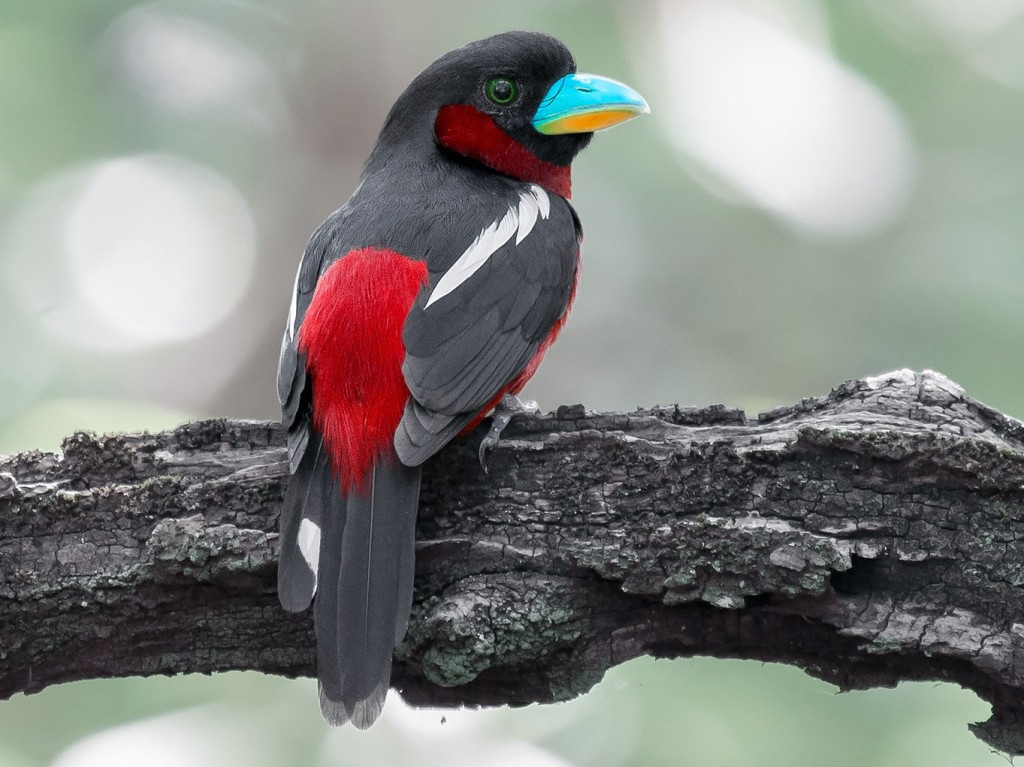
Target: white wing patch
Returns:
[[309, 545], [290, 329], [518, 221]]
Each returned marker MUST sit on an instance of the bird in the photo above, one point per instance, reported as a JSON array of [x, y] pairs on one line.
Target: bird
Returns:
[[420, 306]]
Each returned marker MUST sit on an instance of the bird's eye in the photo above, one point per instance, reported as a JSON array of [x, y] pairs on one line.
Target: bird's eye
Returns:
[[501, 91]]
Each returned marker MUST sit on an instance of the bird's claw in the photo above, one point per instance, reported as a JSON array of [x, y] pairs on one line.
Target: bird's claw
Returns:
[[509, 407]]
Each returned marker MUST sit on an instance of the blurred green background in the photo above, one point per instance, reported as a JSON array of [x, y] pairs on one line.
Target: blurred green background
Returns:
[[824, 190]]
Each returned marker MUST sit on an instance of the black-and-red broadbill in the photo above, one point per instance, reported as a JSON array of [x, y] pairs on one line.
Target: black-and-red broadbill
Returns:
[[432, 293]]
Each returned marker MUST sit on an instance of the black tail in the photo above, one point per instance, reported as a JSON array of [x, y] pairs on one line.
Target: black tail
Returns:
[[311, 497], [364, 594]]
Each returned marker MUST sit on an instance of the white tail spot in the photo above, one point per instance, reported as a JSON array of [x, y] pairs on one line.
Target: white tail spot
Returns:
[[309, 545]]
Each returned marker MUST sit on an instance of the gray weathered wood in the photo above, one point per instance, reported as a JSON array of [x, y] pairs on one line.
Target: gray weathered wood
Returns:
[[870, 536]]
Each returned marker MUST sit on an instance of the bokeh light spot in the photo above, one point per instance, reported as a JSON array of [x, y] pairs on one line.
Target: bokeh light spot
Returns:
[[132, 252], [160, 247], [182, 64], [781, 120]]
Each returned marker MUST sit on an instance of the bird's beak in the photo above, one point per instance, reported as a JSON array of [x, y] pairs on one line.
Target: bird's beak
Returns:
[[582, 103]]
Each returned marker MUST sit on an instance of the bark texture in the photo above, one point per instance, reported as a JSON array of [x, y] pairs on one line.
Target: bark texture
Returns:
[[870, 536]]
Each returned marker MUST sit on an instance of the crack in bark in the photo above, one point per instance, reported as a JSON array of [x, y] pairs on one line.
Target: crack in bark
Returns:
[[869, 536]]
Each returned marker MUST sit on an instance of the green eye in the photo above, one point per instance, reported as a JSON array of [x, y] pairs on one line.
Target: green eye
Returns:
[[501, 90]]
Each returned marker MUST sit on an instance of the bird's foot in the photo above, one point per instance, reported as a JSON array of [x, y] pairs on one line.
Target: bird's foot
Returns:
[[509, 406]]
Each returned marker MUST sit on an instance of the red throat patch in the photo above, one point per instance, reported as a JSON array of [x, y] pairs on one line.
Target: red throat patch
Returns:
[[473, 134], [352, 338]]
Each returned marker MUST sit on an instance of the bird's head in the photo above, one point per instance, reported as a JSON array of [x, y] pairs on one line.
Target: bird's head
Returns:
[[513, 103]]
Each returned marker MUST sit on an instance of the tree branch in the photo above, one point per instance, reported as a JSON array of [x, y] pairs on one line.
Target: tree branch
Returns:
[[871, 536]]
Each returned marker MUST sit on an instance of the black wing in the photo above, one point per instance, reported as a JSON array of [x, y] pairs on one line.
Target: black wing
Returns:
[[483, 318], [309, 495], [324, 247]]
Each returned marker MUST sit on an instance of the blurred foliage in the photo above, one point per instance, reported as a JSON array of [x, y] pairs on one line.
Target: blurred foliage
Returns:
[[713, 713], [693, 291]]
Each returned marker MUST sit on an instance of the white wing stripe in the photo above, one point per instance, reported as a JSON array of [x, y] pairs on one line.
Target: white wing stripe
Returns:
[[542, 201], [528, 210], [293, 309], [533, 202]]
